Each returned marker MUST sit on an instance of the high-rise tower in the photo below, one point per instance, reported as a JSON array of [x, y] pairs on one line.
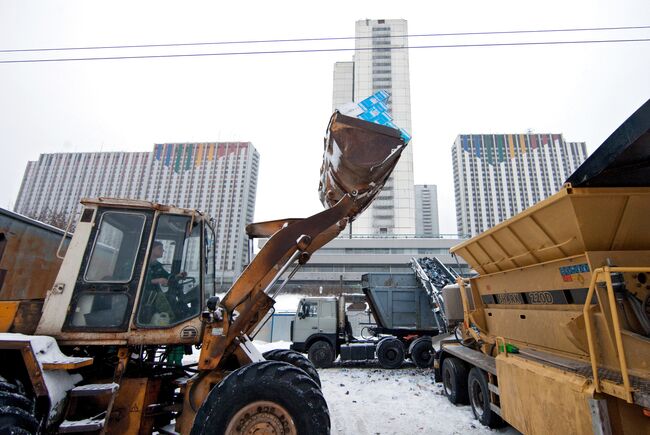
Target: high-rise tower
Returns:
[[497, 176], [219, 178], [426, 210], [381, 62]]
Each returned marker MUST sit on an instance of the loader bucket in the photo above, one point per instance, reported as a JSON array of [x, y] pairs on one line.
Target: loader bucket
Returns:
[[359, 157]]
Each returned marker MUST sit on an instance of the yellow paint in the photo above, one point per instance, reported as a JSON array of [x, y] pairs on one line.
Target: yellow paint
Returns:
[[511, 145], [522, 143], [128, 410], [199, 154], [210, 151], [542, 400], [8, 311]]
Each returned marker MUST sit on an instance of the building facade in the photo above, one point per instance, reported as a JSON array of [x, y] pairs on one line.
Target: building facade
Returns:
[[426, 210], [497, 176], [218, 178], [338, 266], [381, 62]]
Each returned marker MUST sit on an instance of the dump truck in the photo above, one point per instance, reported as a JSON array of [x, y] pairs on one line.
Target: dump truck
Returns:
[[29, 263], [553, 334], [406, 316], [135, 292]]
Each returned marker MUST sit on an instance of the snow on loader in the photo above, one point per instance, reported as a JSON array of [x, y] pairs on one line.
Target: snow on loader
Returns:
[[136, 290]]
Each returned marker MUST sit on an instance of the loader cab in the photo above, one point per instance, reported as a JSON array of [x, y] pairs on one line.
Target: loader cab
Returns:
[[133, 265]]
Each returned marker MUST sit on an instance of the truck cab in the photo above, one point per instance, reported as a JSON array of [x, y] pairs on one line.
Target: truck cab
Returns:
[[316, 319]]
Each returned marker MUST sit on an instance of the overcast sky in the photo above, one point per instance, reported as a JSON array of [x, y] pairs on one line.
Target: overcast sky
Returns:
[[282, 102]]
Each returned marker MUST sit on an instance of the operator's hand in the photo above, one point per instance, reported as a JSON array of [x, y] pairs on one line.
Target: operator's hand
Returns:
[[161, 281], [181, 275]]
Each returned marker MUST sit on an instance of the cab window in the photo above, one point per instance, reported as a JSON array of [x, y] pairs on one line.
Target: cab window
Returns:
[[171, 291], [308, 309], [115, 248]]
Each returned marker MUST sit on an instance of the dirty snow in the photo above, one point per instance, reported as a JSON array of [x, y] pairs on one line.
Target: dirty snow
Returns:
[[366, 399]]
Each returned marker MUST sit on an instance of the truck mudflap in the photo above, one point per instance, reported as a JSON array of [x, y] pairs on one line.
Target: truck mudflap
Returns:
[[39, 365]]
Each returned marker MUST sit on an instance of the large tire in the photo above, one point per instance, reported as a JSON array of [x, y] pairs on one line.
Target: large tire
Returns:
[[294, 358], [17, 412], [321, 354], [267, 396], [454, 380], [14, 420], [390, 353], [422, 352], [479, 399]]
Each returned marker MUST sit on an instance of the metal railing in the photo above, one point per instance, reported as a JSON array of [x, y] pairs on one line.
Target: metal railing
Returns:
[[598, 276]]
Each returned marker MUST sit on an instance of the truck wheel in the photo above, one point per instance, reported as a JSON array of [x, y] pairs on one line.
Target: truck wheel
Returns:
[[422, 352], [264, 397], [390, 353], [321, 354], [479, 398], [454, 380], [294, 358]]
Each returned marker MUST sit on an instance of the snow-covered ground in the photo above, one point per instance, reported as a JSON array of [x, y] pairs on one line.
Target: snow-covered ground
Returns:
[[369, 400], [366, 399]]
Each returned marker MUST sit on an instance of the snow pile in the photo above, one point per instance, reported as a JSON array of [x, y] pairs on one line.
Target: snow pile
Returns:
[[263, 346], [287, 303], [370, 400]]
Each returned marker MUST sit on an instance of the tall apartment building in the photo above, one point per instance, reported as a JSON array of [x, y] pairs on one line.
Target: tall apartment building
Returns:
[[426, 210], [499, 175], [381, 62], [218, 178]]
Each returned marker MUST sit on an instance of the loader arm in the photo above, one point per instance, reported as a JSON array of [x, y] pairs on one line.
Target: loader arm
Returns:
[[358, 159]]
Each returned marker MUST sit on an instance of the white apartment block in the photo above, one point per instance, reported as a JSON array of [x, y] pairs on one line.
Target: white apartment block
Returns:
[[218, 178], [497, 176], [426, 210], [381, 62]]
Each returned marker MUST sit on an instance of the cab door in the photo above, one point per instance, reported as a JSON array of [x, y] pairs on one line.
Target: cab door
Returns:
[[306, 321], [327, 316]]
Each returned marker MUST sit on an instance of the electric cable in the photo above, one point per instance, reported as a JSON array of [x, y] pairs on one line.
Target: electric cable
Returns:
[[323, 50], [334, 38]]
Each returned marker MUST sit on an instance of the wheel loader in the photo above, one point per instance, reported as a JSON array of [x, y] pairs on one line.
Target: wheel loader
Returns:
[[135, 293], [553, 333]]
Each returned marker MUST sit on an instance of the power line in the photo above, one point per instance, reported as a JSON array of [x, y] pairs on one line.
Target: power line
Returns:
[[341, 38], [322, 50]]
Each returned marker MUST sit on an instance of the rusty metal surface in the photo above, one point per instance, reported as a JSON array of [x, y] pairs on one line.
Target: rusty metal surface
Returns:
[[268, 228], [31, 363], [28, 262], [359, 157], [27, 317]]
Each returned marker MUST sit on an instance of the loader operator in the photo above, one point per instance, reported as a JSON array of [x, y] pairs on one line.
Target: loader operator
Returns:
[[158, 308]]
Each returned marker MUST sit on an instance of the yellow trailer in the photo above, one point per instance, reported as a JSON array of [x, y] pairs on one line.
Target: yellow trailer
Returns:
[[553, 334]]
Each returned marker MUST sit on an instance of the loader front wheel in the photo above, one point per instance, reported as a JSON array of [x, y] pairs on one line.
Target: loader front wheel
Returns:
[[14, 420], [294, 358], [454, 380], [264, 397], [16, 409]]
